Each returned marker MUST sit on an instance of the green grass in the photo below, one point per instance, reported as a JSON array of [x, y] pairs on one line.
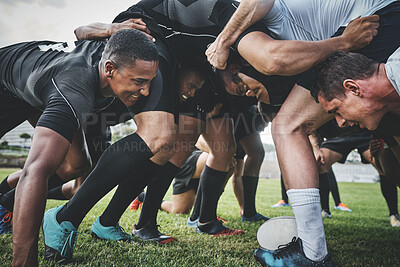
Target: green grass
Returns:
[[361, 238]]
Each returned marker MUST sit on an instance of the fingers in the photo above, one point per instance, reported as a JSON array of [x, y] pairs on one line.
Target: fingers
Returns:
[[372, 18], [374, 23], [217, 56], [139, 25], [371, 22]]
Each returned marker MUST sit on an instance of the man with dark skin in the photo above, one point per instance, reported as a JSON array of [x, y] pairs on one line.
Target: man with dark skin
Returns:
[[66, 88], [292, 50]]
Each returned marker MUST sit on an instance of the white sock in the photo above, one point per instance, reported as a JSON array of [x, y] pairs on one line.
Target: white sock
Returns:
[[307, 211]]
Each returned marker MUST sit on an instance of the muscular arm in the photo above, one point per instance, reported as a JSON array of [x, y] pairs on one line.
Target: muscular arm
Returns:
[[93, 31], [248, 12], [98, 30], [288, 57]]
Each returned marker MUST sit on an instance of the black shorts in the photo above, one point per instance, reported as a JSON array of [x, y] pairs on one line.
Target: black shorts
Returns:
[[194, 110], [183, 181], [346, 143], [381, 47], [247, 122], [239, 153], [13, 111]]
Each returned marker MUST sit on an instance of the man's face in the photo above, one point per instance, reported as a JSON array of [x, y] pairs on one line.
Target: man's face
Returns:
[[237, 83], [255, 88], [233, 83], [189, 83], [130, 83], [352, 109]]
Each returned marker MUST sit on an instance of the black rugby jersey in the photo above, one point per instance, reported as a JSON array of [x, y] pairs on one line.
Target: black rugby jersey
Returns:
[[188, 26], [32, 71]]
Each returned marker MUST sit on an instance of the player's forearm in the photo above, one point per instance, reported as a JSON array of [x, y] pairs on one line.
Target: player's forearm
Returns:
[[314, 141], [93, 31], [248, 12], [286, 57]]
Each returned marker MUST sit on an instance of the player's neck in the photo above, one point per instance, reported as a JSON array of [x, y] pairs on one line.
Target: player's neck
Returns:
[[387, 92]]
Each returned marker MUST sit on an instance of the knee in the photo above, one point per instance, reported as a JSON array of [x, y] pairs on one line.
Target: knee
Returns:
[[180, 157], [72, 170], [257, 155], [162, 141], [324, 169], [282, 126], [34, 171], [181, 210]]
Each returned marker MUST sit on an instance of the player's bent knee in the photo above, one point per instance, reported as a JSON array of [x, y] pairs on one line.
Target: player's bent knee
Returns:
[[34, 171], [69, 171], [181, 210], [257, 155]]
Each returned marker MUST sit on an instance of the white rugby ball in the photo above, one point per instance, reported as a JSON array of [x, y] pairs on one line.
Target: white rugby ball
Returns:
[[277, 231]]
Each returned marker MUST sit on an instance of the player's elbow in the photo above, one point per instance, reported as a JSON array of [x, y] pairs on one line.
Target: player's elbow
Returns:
[[79, 33], [271, 64]]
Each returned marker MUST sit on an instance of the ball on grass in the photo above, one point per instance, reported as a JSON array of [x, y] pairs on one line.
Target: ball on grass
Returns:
[[277, 231]]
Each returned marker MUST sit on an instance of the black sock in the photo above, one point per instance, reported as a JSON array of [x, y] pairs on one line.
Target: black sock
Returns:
[[119, 162], [7, 199], [155, 192], [324, 191], [197, 204], [127, 191], [212, 183], [333, 187], [141, 196], [56, 193], [249, 195], [283, 190], [389, 192], [4, 187]]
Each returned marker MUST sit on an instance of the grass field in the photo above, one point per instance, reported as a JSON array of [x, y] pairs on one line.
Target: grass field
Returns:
[[361, 238]]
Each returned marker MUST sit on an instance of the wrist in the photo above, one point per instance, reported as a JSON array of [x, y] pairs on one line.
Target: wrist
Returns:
[[110, 29], [343, 44], [225, 40]]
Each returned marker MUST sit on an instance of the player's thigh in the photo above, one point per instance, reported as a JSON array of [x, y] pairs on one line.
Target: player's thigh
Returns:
[[48, 151], [188, 131], [77, 161], [200, 164], [219, 137], [299, 114]]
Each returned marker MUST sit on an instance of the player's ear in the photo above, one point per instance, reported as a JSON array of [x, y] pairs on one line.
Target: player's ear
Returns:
[[352, 87], [109, 68]]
